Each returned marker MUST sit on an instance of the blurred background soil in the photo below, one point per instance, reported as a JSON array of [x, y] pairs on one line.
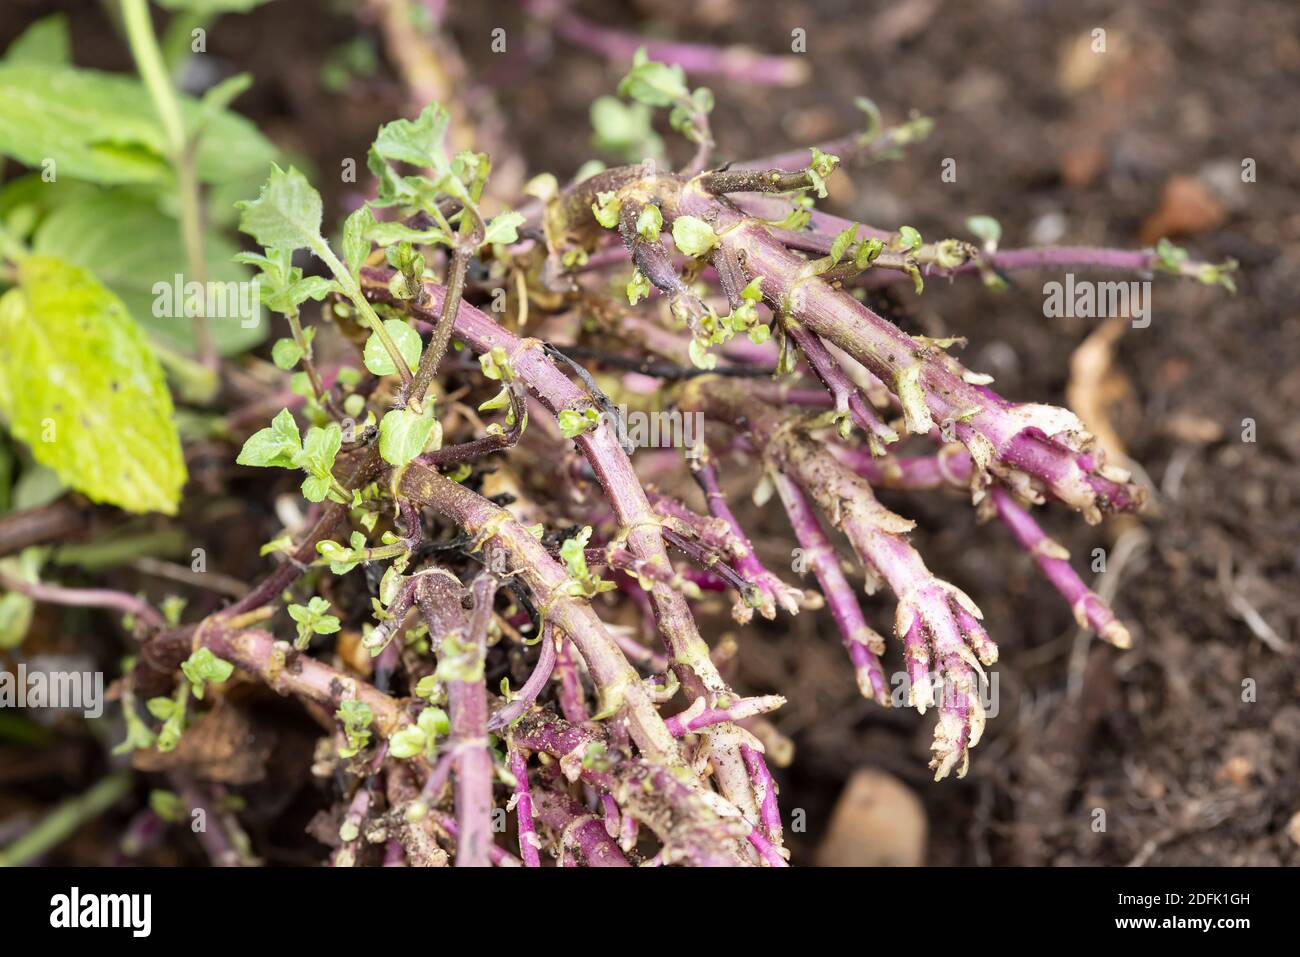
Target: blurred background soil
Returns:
[[1189, 743]]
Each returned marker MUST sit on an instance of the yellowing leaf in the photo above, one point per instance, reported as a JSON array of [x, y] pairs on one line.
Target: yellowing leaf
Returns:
[[133, 248], [79, 384]]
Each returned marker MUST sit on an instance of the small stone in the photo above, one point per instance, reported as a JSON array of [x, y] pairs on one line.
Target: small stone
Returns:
[[1293, 828], [877, 822]]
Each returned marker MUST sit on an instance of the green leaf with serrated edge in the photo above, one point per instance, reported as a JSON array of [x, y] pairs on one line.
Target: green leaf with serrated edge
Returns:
[[418, 142], [132, 246], [276, 446], [504, 228], [403, 434], [102, 127], [376, 357], [282, 285], [79, 385], [842, 242], [319, 449], [45, 41], [286, 214], [388, 233]]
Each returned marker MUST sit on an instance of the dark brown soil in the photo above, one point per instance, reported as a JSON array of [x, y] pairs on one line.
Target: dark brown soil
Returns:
[[1188, 767]]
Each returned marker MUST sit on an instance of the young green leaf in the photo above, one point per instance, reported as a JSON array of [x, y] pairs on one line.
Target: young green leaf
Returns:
[[312, 619], [574, 422], [908, 240], [319, 449], [606, 209], [503, 228], [574, 555], [842, 242], [281, 284], [203, 667], [654, 83], [987, 229], [286, 214], [649, 222], [625, 129], [638, 287], [408, 342], [403, 434], [356, 242], [693, 236], [277, 446], [79, 384], [286, 353], [418, 142], [356, 717]]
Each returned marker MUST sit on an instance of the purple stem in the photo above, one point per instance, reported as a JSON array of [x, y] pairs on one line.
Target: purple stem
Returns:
[[497, 856], [528, 840], [465, 641], [698, 716], [85, 598], [711, 531], [848, 397], [532, 687], [766, 788], [1089, 610], [584, 842], [613, 676], [772, 591], [685, 819], [394, 853], [863, 643], [573, 700], [952, 467], [1042, 257], [687, 650], [697, 59], [879, 538], [1045, 443]]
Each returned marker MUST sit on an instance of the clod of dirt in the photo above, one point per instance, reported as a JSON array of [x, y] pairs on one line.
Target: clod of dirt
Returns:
[[223, 746], [877, 822], [1187, 208]]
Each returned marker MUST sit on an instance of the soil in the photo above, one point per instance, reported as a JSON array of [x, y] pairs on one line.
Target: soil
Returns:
[[1181, 751]]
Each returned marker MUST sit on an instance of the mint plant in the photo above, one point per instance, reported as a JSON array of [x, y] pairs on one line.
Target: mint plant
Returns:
[[712, 279]]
